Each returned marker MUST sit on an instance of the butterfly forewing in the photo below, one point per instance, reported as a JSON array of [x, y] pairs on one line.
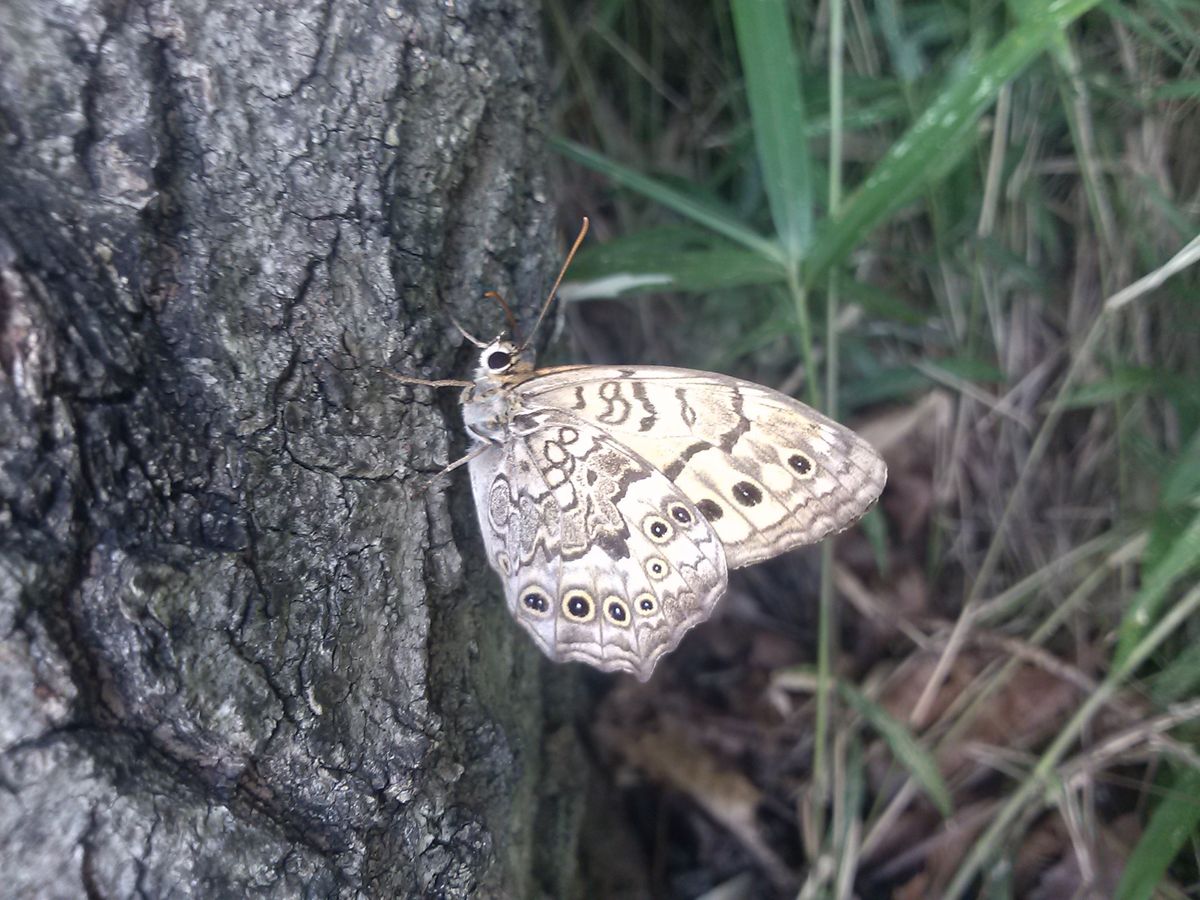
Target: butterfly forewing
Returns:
[[768, 472]]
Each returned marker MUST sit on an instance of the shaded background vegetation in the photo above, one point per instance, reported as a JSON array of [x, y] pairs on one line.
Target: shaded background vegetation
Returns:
[[972, 243]]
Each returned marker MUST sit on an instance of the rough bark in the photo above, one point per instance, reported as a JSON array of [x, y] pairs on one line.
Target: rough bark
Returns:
[[239, 657]]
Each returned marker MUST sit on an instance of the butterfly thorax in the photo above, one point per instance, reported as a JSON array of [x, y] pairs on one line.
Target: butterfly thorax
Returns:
[[490, 404]]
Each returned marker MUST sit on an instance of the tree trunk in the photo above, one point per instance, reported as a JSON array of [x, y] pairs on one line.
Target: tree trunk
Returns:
[[240, 656]]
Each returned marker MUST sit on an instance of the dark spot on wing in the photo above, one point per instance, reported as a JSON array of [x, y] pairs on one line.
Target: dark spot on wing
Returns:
[[614, 545], [801, 463], [747, 494]]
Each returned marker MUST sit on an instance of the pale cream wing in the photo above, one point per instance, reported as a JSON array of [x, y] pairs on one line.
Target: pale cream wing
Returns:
[[603, 559], [768, 472]]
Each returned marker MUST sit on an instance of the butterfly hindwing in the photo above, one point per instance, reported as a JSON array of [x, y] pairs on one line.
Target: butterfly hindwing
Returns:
[[603, 558], [768, 472]]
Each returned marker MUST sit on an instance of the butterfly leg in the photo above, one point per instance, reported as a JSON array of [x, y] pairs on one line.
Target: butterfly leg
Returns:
[[426, 483], [425, 382]]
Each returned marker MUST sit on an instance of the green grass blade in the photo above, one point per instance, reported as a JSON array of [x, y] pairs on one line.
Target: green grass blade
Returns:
[[882, 304], [772, 72], [1132, 381], [942, 135], [1178, 680], [906, 56], [1182, 557], [683, 258], [845, 842], [1173, 822], [1177, 90], [1181, 481], [699, 212], [907, 750]]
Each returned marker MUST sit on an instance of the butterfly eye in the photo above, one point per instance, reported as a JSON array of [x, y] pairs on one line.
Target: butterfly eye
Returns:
[[657, 529], [535, 602], [616, 612], [646, 604], [578, 607], [498, 360]]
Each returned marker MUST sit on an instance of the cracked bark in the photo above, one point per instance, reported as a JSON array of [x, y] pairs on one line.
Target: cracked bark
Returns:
[[239, 658]]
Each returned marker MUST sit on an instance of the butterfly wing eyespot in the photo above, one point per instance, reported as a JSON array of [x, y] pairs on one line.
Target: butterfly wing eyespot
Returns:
[[646, 604], [616, 611], [657, 568], [657, 529], [578, 606], [681, 514], [535, 602]]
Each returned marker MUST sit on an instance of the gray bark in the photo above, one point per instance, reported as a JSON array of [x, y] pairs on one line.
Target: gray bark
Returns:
[[239, 658]]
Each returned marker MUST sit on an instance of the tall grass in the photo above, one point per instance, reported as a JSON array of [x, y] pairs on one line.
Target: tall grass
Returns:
[[996, 200]]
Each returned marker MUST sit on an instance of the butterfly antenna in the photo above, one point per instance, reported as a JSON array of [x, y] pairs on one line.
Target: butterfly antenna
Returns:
[[470, 337], [508, 313], [557, 281]]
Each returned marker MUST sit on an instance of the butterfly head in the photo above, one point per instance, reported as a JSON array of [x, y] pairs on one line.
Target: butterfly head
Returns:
[[503, 357]]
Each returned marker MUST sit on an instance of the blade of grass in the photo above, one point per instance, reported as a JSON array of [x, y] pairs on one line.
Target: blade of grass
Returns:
[[772, 71], [906, 748], [1179, 679], [1182, 558], [1173, 822], [1186, 36], [702, 213], [847, 833], [1181, 482], [827, 611], [682, 258], [940, 136], [905, 54]]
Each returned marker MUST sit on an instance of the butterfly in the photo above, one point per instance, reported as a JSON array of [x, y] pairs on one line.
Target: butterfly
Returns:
[[614, 500]]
